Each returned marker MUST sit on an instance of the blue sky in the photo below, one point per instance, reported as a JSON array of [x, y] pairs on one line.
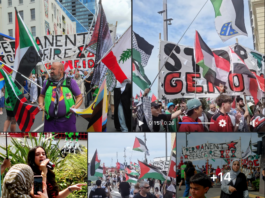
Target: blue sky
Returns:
[[148, 24], [200, 138], [107, 144]]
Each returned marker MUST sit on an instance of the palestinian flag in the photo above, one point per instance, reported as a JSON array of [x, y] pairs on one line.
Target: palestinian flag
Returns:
[[139, 77], [26, 51], [215, 68], [136, 165], [137, 97], [99, 172], [130, 178], [256, 83], [95, 165], [229, 18], [172, 172], [139, 145], [24, 112], [118, 60], [141, 49], [131, 172], [153, 99], [149, 171], [141, 95]]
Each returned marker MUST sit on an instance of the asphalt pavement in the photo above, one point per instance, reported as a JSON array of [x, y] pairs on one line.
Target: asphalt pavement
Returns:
[[38, 126]]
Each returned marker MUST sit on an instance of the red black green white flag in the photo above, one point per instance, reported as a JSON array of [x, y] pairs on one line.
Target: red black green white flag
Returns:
[[172, 172], [215, 68], [149, 171], [24, 112], [26, 51], [131, 172], [139, 145], [94, 166], [131, 178]]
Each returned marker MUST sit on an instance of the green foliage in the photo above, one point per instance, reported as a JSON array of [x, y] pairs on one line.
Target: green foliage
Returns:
[[73, 170], [125, 55], [256, 184]]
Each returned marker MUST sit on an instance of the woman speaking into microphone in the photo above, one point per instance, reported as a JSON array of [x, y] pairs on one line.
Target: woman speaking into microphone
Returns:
[[38, 161]]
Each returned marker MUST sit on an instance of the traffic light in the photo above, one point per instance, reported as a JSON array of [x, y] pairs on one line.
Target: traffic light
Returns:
[[259, 146]]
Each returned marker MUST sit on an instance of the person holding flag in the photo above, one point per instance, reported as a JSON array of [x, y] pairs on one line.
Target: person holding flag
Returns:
[[56, 99]]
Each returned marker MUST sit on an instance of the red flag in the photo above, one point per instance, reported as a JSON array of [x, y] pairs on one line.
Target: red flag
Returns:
[[136, 97], [172, 172], [153, 98], [141, 95], [118, 165], [48, 32]]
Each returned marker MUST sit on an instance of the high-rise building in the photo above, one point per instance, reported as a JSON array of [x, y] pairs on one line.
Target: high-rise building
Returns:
[[40, 16], [81, 11], [257, 16]]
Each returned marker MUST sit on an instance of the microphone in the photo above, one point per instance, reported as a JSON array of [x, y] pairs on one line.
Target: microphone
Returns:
[[50, 165]]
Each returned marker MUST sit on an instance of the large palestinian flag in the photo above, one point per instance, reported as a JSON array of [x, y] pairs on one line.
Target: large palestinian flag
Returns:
[[26, 51], [23, 111], [172, 172], [148, 171], [229, 18], [94, 166], [131, 178], [139, 145], [131, 172], [215, 68]]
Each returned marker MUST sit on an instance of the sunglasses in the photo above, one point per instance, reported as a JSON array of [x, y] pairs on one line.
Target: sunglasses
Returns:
[[147, 187], [156, 107]]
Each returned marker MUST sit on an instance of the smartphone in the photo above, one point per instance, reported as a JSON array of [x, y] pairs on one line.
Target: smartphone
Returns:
[[37, 184]]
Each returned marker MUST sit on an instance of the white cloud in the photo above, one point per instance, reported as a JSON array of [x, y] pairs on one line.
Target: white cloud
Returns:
[[118, 10]]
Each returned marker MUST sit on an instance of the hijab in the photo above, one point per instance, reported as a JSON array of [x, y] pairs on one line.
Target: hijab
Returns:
[[18, 182], [233, 174]]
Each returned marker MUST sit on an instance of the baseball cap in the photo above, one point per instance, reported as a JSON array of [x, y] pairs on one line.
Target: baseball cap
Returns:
[[170, 104], [155, 105], [193, 104]]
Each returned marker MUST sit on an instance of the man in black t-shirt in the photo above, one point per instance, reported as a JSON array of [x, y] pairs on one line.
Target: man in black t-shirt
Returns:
[[144, 191], [98, 192], [87, 83], [124, 188]]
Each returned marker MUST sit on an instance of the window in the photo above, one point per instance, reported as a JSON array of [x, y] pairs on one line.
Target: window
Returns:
[[10, 32], [21, 14], [33, 31], [32, 14], [9, 2], [10, 17], [20, 1]]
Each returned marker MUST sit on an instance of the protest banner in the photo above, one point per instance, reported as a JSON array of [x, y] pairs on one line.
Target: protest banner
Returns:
[[227, 150], [178, 77]]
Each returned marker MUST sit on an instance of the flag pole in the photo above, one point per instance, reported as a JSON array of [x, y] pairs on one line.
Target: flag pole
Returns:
[[32, 41], [21, 74], [178, 43]]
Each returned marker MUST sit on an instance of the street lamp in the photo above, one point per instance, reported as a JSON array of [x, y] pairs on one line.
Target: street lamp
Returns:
[[165, 19]]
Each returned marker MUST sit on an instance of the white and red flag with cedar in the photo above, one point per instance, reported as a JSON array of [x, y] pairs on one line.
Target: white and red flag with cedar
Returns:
[[27, 52], [139, 145]]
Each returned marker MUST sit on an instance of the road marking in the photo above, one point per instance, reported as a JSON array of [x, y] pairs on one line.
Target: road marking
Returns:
[[35, 130]]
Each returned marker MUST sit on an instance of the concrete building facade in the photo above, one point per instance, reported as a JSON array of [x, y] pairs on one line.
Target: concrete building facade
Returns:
[[257, 16], [40, 16]]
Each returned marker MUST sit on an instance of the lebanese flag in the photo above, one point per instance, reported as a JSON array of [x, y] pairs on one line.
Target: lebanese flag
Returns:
[[148, 171], [118, 60], [131, 172], [172, 168], [153, 98], [215, 68], [139, 145]]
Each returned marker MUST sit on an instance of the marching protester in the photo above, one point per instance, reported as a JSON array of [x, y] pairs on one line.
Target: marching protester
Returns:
[[188, 173], [19, 181], [56, 102], [98, 191], [38, 162], [158, 194], [182, 174], [194, 111], [10, 117], [124, 188], [144, 190], [171, 191], [171, 109], [87, 83], [2, 100], [33, 89], [237, 186], [217, 172], [80, 83], [243, 125], [250, 177], [71, 75], [221, 120]]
